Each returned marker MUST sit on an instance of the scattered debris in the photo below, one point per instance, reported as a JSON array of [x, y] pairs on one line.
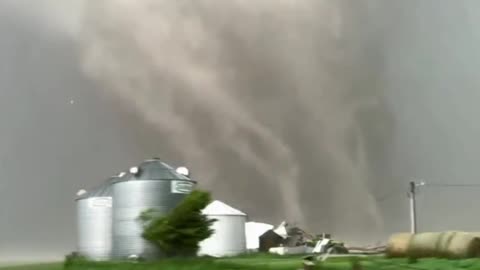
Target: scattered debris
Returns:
[[321, 245], [135, 258], [253, 231], [285, 240], [288, 250], [368, 250], [281, 230], [310, 258], [308, 265], [269, 240], [325, 257]]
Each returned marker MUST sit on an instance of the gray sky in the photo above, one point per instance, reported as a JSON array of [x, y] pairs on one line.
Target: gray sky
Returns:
[[432, 59], [286, 114], [50, 148]]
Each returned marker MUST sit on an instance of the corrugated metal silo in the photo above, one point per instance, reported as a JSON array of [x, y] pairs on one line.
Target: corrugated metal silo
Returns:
[[94, 221], [152, 185], [229, 236]]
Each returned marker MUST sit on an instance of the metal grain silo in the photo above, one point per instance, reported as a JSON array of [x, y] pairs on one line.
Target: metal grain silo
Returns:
[[152, 185], [94, 221], [229, 236]]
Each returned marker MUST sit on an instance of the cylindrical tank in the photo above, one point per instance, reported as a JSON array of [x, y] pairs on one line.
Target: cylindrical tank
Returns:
[[94, 221], [228, 238], [152, 185]]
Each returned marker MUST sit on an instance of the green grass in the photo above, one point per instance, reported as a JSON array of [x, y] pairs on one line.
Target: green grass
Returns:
[[195, 264], [265, 262], [403, 264], [43, 266]]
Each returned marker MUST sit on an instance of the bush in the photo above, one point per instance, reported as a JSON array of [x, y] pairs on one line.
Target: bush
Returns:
[[73, 258], [179, 233]]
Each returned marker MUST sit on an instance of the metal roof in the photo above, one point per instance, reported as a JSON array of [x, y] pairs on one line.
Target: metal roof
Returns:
[[218, 208], [150, 169], [103, 190], [154, 169]]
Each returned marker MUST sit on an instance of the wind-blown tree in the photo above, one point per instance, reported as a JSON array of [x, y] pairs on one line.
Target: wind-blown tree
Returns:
[[179, 233]]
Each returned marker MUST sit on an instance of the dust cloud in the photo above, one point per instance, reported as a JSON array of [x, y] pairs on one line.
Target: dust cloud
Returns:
[[274, 88]]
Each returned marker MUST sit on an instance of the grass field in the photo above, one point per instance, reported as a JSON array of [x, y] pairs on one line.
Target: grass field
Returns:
[[264, 262], [43, 266]]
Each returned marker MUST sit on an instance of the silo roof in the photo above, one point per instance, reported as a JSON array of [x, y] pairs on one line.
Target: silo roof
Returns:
[[155, 169], [103, 190], [218, 208]]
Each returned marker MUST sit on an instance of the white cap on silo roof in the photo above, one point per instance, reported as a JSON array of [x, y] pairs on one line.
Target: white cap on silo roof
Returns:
[[183, 171], [218, 208], [134, 170]]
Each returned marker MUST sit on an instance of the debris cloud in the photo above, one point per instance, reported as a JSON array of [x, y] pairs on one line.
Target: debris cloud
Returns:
[[274, 90]]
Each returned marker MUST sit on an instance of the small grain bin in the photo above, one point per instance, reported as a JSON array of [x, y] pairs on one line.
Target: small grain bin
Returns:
[[229, 236], [94, 221], [152, 185]]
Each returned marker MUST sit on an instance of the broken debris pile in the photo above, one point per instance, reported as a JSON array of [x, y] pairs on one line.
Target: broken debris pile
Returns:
[[287, 239]]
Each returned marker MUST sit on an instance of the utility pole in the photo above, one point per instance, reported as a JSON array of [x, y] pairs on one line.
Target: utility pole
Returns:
[[413, 206], [413, 210]]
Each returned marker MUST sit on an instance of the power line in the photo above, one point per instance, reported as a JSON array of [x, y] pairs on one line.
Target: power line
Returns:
[[413, 190], [399, 191], [451, 185]]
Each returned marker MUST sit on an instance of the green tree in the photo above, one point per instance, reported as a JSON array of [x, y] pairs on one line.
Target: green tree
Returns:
[[179, 232]]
